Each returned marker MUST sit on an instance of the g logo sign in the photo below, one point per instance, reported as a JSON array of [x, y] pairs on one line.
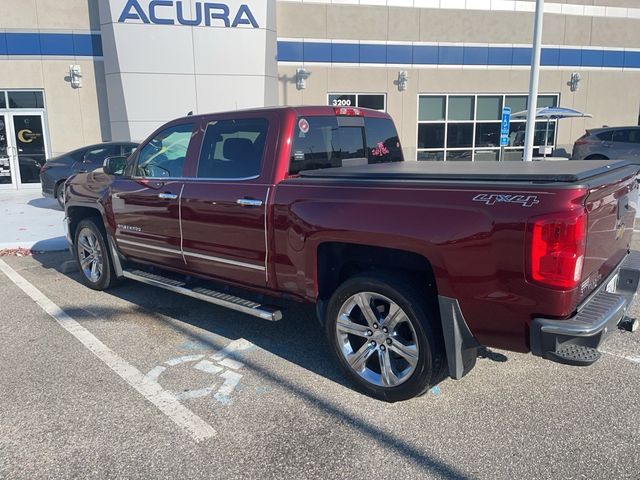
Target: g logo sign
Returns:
[[26, 136]]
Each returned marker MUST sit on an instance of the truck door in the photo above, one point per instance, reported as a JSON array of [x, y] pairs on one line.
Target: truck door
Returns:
[[224, 204], [146, 203]]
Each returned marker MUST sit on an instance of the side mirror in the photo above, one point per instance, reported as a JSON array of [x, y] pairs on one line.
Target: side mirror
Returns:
[[115, 165]]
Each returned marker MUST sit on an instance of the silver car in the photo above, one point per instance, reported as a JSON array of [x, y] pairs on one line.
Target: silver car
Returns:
[[608, 143]]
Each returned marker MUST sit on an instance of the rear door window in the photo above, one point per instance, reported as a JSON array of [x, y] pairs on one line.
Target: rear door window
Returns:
[[383, 144], [330, 141], [627, 135], [233, 148]]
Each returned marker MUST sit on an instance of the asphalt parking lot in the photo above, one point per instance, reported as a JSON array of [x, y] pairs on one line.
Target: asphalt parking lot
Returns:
[[141, 383]]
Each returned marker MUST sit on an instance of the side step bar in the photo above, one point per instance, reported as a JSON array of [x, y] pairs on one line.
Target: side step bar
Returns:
[[201, 293]]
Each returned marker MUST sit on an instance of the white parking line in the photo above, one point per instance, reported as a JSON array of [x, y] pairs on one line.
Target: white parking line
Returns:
[[163, 400], [630, 358]]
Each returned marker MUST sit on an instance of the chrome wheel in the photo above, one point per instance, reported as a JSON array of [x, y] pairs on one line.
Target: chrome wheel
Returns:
[[377, 339], [90, 255]]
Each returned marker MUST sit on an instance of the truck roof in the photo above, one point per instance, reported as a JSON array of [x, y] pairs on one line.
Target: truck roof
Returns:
[[545, 171]]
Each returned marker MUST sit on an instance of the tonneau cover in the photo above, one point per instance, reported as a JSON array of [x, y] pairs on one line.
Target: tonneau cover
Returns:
[[538, 171]]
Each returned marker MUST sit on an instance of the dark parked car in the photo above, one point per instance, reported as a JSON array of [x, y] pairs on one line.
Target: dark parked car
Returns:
[[608, 143], [56, 170]]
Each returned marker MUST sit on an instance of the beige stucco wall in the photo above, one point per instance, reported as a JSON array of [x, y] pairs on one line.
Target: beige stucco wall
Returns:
[[75, 117], [611, 96]]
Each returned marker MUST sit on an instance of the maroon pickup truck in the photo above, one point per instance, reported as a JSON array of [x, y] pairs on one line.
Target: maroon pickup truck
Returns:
[[412, 266]]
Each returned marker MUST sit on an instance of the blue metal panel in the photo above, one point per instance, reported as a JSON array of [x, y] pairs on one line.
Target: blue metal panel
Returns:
[[400, 54], [373, 53], [631, 59], [345, 52], [23, 43], [56, 44], [3, 44], [317, 52], [570, 57], [475, 55], [521, 56], [550, 57], [613, 58], [592, 58], [425, 55], [500, 56], [450, 55], [87, 45], [290, 52]]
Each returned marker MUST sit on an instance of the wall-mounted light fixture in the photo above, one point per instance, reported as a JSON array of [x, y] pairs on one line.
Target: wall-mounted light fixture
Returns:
[[403, 80], [574, 82], [75, 76], [301, 78]]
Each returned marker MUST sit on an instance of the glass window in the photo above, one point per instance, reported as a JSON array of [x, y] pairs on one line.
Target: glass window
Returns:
[[605, 136], [461, 108], [26, 100], [431, 108], [375, 102], [342, 100], [487, 155], [383, 143], [322, 144], [459, 155], [459, 135], [627, 135], [233, 148], [164, 155], [518, 103], [547, 101], [489, 108], [488, 134], [3, 100], [431, 135], [437, 156], [98, 155]]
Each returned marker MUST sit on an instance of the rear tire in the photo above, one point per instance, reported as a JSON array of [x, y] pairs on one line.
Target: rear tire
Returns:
[[92, 255], [394, 350], [60, 194], [596, 157]]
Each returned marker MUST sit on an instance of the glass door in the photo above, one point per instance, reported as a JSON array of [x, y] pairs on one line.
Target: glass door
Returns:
[[30, 150], [6, 176]]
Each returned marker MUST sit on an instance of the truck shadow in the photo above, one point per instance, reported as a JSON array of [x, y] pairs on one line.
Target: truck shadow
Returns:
[[298, 338]]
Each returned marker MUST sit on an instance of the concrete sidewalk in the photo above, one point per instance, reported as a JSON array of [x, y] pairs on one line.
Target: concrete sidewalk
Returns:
[[28, 220]]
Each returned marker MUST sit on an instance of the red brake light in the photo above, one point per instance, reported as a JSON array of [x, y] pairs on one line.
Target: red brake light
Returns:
[[558, 244], [349, 112]]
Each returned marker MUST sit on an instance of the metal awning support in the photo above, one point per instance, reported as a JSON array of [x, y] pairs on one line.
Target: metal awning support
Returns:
[[533, 81]]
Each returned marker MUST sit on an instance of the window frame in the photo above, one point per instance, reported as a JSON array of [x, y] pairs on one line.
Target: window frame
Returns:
[[357, 95], [444, 151]]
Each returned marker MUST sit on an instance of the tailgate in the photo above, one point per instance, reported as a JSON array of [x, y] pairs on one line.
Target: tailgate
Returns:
[[611, 208]]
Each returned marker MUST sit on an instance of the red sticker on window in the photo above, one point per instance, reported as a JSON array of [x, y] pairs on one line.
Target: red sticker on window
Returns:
[[303, 125], [380, 150]]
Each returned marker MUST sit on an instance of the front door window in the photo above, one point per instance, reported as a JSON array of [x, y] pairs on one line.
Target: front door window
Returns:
[[30, 144]]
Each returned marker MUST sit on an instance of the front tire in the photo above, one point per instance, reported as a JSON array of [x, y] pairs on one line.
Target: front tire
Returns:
[[92, 256], [385, 335]]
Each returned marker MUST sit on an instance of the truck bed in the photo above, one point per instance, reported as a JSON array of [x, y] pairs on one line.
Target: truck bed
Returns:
[[543, 171]]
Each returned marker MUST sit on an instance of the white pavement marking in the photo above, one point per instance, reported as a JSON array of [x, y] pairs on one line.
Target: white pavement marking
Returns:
[[630, 358], [231, 380], [163, 400]]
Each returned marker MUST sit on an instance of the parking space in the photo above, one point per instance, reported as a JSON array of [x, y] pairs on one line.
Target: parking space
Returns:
[[145, 383]]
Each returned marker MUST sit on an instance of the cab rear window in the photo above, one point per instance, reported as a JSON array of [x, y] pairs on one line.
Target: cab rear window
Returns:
[[330, 141]]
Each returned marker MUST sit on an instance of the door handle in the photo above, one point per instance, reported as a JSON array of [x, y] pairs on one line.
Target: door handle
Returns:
[[249, 202], [167, 196]]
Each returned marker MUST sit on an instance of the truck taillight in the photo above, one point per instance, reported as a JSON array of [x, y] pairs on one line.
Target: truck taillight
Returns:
[[558, 244], [349, 112]]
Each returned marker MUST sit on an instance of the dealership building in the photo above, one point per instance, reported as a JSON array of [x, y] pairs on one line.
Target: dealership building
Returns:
[[78, 72]]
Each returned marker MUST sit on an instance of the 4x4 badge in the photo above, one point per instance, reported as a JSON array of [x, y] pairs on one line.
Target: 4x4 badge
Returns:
[[493, 198]]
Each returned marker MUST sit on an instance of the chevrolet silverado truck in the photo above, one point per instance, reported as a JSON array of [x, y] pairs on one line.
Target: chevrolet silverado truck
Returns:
[[412, 266]]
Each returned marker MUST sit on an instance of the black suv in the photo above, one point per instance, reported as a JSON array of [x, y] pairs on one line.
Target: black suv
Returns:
[[56, 170]]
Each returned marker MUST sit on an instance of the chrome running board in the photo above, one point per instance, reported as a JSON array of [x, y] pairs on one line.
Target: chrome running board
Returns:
[[201, 293]]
